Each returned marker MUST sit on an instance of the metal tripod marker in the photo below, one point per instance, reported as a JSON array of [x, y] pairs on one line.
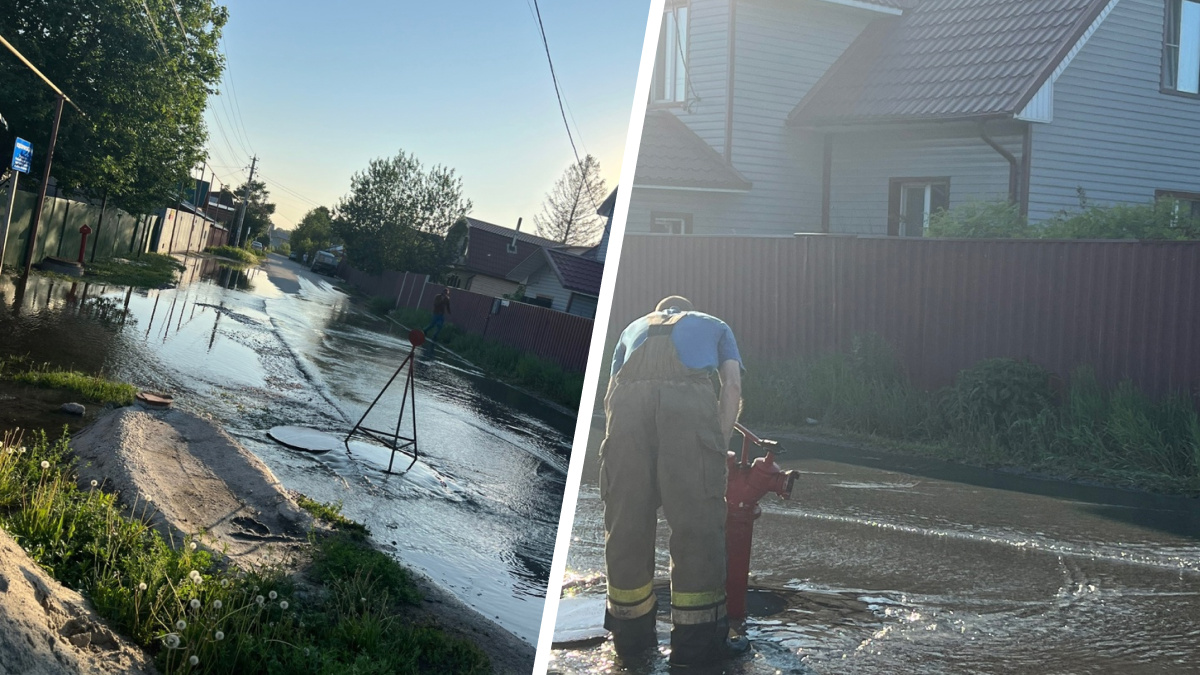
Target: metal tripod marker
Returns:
[[393, 440]]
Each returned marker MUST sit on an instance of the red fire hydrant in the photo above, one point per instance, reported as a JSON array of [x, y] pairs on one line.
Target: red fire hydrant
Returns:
[[748, 483], [84, 230]]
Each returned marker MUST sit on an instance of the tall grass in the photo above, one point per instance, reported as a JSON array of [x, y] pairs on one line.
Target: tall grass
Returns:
[[242, 255], [150, 270], [196, 616], [1000, 412]]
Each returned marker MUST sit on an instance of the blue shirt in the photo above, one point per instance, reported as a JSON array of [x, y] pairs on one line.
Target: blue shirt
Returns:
[[703, 342]]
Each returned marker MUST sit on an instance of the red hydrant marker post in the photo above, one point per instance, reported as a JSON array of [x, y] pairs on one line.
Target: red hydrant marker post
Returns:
[[84, 231], [749, 481]]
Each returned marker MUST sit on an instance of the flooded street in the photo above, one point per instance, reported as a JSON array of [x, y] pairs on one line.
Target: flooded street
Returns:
[[884, 564], [278, 345]]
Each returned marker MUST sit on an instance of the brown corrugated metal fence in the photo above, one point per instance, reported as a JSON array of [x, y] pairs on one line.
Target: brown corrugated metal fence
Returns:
[[555, 336], [1128, 309]]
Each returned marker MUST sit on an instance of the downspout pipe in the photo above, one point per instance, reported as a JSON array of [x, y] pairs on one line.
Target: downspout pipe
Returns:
[[1014, 167]]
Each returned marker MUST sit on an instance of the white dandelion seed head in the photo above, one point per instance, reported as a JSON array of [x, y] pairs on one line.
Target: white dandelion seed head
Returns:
[[224, 583], [283, 604], [194, 660], [272, 595], [181, 624], [256, 589], [45, 464], [259, 599], [194, 604], [193, 574], [94, 483], [217, 604], [171, 640], [193, 545], [142, 586], [219, 636]]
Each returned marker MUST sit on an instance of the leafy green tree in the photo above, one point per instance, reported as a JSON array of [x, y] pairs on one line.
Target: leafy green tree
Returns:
[[141, 72], [258, 210], [1163, 218], [981, 220], [398, 215], [314, 233], [569, 213]]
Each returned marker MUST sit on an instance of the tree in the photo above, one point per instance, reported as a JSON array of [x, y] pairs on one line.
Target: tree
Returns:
[[398, 215], [569, 213], [142, 74], [314, 233], [258, 210]]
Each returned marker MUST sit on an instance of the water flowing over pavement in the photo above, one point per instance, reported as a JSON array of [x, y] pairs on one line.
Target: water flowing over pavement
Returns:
[[278, 345], [885, 564]]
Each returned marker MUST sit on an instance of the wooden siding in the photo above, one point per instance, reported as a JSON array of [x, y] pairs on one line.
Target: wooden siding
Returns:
[[865, 160], [1114, 133], [485, 285]]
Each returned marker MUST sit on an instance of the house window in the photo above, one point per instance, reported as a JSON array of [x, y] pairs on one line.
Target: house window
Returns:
[[671, 223], [670, 81], [1187, 204], [454, 281], [1181, 47], [912, 200]]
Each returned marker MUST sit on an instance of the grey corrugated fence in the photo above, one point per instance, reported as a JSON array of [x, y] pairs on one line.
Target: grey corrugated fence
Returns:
[[58, 231], [1131, 310]]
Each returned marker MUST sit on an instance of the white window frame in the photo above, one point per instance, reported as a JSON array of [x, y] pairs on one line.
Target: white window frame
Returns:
[[673, 223], [1181, 47], [670, 81]]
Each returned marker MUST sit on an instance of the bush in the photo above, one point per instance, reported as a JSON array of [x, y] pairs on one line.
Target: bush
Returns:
[[999, 393], [234, 253], [981, 220], [1160, 219]]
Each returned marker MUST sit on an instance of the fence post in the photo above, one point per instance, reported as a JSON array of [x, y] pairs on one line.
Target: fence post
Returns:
[[422, 295]]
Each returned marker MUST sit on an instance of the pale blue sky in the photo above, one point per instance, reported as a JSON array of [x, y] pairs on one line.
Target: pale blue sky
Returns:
[[323, 88]]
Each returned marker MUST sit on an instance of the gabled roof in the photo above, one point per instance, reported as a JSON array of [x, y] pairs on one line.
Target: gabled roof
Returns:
[[949, 59], [488, 248], [673, 156], [574, 272]]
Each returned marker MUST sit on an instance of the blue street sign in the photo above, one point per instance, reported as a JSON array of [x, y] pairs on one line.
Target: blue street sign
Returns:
[[22, 155]]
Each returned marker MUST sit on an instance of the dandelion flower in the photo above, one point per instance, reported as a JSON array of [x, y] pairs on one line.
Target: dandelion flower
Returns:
[[193, 545], [219, 636], [259, 599], [94, 483], [272, 595], [256, 589], [195, 604], [142, 586], [216, 604], [194, 660], [283, 604], [171, 641], [45, 464], [224, 583], [181, 624]]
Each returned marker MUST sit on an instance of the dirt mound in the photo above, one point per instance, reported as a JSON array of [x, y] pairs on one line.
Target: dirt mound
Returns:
[[46, 629], [195, 479]]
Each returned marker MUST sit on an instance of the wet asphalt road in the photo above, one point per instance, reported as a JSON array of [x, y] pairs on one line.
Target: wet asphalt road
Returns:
[[882, 564], [279, 345]]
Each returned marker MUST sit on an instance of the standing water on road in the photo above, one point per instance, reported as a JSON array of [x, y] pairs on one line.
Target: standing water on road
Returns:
[[276, 345], [886, 564]]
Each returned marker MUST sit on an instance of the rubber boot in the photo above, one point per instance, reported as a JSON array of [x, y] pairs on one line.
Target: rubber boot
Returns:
[[705, 645], [634, 639]]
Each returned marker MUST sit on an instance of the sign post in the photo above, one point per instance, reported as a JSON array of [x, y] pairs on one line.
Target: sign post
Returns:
[[22, 156]]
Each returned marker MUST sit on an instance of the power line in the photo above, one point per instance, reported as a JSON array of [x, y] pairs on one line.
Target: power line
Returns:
[[553, 76], [287, 189], [233, 90]]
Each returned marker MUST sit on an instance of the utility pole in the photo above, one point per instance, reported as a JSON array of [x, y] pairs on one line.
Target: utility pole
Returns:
[[237, 239]]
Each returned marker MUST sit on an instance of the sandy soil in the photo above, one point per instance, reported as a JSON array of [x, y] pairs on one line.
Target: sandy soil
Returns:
[[46, 629]]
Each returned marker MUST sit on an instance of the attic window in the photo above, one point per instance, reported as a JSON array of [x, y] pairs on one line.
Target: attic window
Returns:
[[1181, 47], [512, 245], [670, 66]]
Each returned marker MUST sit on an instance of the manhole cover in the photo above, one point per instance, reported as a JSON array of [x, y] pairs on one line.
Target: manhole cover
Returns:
[[306, 439]]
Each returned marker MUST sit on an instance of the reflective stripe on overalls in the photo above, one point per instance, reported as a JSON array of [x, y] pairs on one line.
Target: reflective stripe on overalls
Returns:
[[662, 447]]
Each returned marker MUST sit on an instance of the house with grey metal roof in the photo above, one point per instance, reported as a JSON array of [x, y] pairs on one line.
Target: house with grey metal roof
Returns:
[[864, 116]]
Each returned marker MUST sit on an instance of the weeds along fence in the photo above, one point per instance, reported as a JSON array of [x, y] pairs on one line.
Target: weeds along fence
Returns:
[[1130, 310], [555, 336]]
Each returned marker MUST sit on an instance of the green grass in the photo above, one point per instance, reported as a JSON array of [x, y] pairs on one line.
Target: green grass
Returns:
[[506, 363], [178, 602], [241, 255], [151, 270], [332, 514], [92, 387], [999, 414]]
